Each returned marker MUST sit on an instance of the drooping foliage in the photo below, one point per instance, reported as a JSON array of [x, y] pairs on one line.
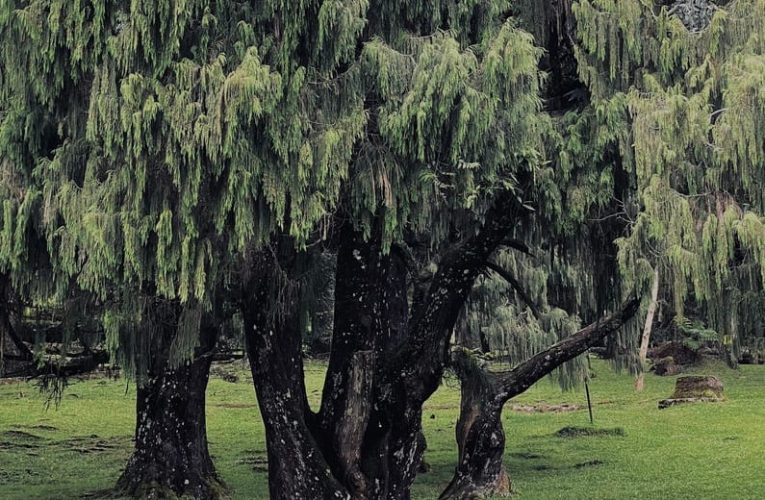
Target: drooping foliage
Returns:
[[155, 141], [657, 149], [680, 88], [158, 139], [148, 149]]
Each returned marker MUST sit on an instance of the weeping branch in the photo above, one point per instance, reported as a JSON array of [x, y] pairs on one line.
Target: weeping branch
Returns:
[[516, 285], [524, 375], [518, 245]]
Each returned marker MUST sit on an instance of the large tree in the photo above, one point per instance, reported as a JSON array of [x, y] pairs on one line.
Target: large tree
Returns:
[[119, 120], [178, 154], [454, 145], [658, 150], [162, 151], [683, 101]]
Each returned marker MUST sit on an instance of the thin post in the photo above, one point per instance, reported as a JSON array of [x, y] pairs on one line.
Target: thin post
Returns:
[[587, 388]]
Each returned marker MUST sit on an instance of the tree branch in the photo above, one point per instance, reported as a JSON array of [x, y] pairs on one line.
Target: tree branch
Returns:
[[527, 373], [420, 361], [516, 285], [518, 245]]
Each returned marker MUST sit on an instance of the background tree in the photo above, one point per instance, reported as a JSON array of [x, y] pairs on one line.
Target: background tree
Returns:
[[653, 134], [127, 115], [685, 93]]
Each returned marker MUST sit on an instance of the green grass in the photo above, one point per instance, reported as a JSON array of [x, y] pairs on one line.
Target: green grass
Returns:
[[702, 451]]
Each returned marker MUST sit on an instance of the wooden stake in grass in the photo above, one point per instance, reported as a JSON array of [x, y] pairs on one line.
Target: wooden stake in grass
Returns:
[[587, 387]]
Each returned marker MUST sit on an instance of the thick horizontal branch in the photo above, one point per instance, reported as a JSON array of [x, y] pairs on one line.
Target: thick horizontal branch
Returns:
[[524, 375]]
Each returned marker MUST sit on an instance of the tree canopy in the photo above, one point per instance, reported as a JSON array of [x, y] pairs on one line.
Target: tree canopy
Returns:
[[511, 169]]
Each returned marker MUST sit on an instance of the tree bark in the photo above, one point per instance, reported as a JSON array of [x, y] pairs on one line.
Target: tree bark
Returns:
[[479, 430], [646, 339], [413, 372], [371, 317], [325, 456], [15, 357], [297, 468], [479, 422], [480, 436], [171, 457]]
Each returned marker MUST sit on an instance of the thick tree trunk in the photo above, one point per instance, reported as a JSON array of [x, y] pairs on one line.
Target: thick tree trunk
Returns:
[[325, 457], [480, 438], [371, 315], [479, 430], [358, 325], [297, 469], [646, 339], [171, 457], [413, 372]]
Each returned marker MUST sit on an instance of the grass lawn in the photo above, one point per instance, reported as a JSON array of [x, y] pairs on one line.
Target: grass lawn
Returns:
[[702, 451]]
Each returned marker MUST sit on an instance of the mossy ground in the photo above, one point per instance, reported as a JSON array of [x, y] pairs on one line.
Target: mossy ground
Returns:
[[702, 451]]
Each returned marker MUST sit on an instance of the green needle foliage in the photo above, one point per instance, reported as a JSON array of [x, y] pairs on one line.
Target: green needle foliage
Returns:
[[157, 141], [147, 146], [686, 92]]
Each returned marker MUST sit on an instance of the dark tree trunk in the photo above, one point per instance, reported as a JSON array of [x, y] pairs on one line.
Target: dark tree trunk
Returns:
[[171, 457], [479, 432], [371, 317], [359, 323], [400, 468], [367, 440], [297, 469], [480, 439], [396, 448], [480, 436], [364, 439], [413, 372], [15, 357]]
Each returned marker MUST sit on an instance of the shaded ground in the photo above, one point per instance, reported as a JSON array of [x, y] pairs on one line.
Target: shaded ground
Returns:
[[693, 451]]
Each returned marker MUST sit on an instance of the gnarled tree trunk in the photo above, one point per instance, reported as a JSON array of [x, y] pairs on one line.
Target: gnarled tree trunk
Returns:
[[297, 468], [479, 429], [361, 335], [171, 457], [367, 440], [413, 372], [360, 436], [480, 438], [479, 432]]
